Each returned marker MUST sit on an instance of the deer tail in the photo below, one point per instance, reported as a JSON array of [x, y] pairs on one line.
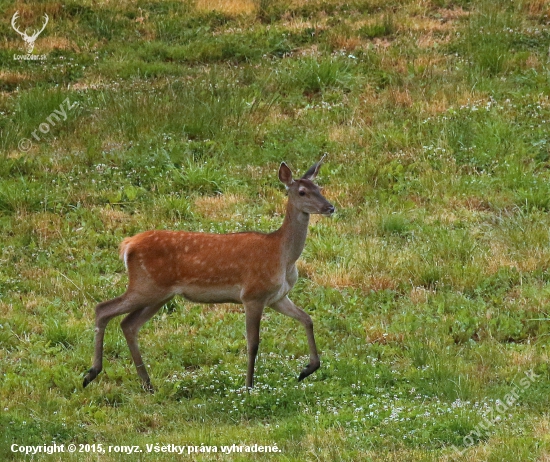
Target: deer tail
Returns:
[[124, 250]]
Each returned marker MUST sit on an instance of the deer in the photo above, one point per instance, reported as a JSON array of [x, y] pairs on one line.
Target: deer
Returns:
[[29, 39], [249, 268]]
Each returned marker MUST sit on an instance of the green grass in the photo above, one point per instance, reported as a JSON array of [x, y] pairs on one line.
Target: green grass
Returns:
[[429, 289]]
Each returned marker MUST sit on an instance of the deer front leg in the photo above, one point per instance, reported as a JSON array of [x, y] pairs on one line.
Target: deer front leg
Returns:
[[285, 306], [253, 313]]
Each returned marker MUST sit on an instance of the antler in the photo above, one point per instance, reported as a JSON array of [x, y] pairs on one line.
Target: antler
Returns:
[[13, 19], [36, 34]]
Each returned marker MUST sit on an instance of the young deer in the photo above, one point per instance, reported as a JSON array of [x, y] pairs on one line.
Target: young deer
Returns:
[[250, 268]]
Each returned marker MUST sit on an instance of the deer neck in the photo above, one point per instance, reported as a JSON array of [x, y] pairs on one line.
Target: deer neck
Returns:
[[293, 234]]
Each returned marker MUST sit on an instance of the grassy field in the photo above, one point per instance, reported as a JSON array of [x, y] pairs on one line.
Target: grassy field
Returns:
[[429, 289]]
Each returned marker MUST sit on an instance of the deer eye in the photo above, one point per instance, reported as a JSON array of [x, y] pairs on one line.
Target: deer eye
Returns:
[[302, 192]]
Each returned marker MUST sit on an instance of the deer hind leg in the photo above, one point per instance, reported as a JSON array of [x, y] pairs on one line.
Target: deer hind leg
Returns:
[[131, 325], [253, 313], [104, 312], [285, 306]]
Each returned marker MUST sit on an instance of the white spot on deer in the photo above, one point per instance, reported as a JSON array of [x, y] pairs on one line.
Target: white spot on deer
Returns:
[[198, 261]]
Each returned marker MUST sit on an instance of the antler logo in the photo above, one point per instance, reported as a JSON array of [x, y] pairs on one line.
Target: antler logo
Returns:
[[29, 39]]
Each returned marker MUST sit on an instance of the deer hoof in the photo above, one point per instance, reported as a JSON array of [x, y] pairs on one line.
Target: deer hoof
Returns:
[[308, 370], [148, 386], [90, 375]]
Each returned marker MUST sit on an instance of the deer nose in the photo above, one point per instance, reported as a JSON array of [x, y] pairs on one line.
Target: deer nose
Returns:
[[329, 210]]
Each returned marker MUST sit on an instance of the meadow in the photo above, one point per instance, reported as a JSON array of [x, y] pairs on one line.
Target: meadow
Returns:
[[429, 288]]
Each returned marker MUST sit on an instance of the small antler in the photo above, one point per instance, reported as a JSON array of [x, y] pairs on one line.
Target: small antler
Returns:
[[314, 170]]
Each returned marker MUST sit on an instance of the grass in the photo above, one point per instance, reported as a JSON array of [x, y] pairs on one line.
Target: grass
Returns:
[[429, 289]]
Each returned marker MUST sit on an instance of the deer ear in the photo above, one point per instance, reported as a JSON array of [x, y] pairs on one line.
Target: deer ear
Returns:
[[285, 175], [314, 170]]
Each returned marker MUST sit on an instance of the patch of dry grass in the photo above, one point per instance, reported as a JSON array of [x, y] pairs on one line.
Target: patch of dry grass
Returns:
[[230, 7], [220, 207], [14, 78]]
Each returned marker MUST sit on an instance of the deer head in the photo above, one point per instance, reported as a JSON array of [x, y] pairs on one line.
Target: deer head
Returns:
[[29, 39], [303, 193]]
